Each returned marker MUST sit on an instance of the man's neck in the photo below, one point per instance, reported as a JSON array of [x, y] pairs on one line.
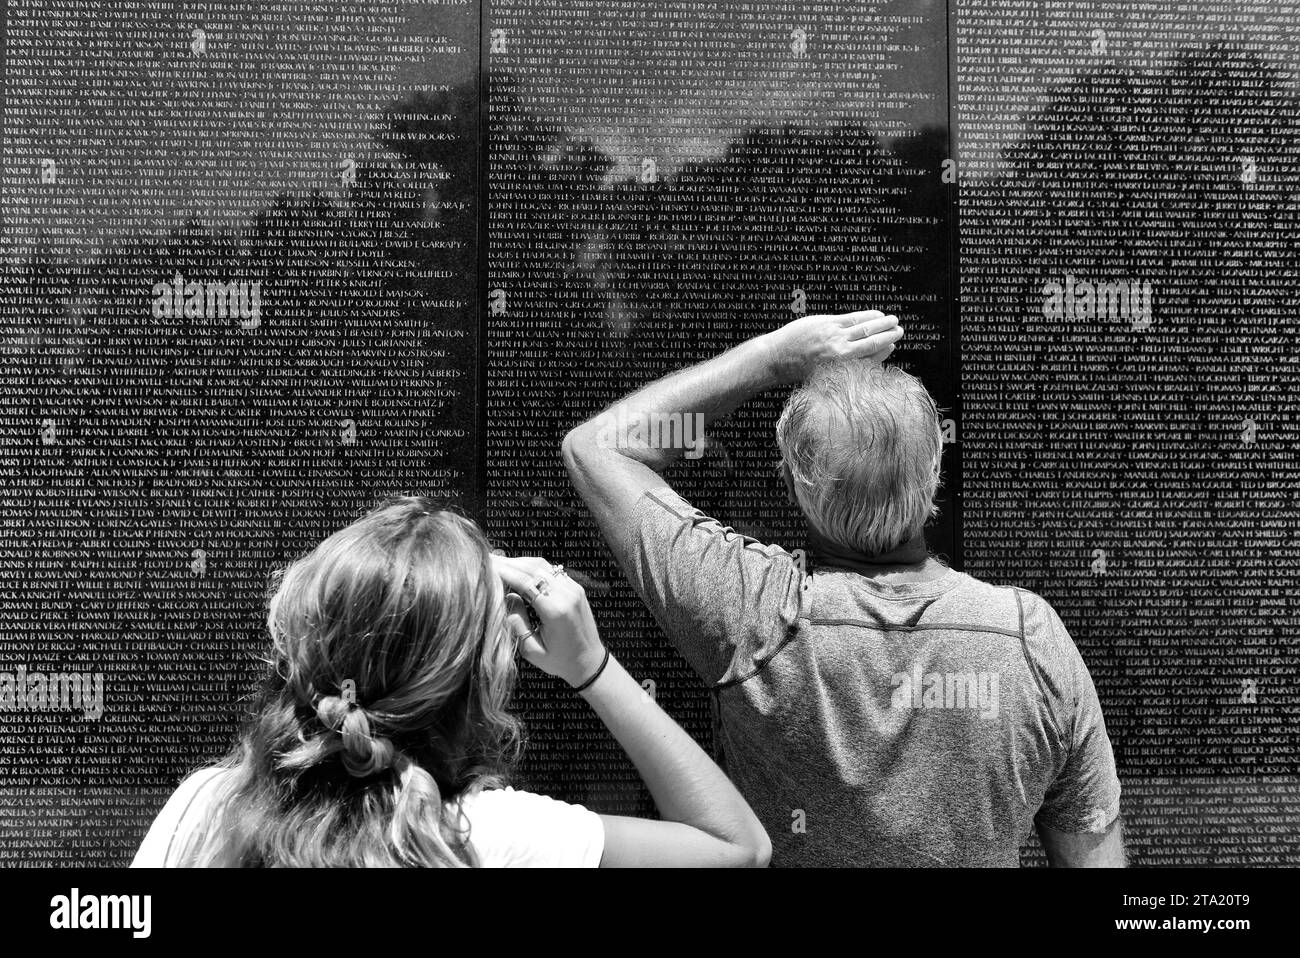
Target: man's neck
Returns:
[[911, 556]]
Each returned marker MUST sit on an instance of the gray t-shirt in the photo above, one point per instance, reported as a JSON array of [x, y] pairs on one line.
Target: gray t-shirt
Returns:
[[868, 723]]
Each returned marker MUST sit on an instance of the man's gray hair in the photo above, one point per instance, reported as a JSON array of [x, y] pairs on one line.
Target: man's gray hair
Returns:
[[864, 445]]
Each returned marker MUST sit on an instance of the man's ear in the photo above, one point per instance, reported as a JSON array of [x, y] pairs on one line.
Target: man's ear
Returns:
[[789, 484]]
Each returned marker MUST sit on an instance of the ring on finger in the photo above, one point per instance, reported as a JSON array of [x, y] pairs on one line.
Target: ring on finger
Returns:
[[557, 571], [542, 586]]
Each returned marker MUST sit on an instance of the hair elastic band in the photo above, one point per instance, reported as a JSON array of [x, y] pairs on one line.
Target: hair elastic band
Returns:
[[587, 684]]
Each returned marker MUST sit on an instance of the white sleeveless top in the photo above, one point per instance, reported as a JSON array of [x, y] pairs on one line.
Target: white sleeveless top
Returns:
[[508, 828]]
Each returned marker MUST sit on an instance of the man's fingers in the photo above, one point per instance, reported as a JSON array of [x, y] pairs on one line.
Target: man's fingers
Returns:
[[880, 355], [874, 346], [881, 340], [859, 316], [871, 327], [879, 333]]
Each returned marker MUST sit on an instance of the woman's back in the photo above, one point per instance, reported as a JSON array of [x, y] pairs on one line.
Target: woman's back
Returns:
[[507, 828]]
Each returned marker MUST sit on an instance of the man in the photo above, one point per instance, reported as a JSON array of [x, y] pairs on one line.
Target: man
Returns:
[[874, 706]]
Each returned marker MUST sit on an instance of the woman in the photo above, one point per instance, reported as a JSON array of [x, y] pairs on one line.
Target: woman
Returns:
[[382, 735]]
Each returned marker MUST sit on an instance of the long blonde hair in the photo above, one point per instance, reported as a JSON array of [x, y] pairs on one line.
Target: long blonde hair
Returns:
[[385, 704]]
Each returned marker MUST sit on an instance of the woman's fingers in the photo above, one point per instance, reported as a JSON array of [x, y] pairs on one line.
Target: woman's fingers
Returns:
[[528, 640], [532, 649], [537, 581], [567, 637], [529, 577], [516, 613]]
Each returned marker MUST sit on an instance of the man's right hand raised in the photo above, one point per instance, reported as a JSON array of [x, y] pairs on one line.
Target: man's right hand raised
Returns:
[[799, 347]]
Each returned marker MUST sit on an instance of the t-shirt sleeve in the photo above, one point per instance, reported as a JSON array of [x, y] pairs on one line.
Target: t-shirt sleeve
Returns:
[[724, 600], [1084, 797], [166, 837], [514, 829]]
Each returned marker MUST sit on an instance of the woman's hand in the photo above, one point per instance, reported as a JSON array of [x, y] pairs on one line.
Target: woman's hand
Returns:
[[567, 643], [705, 819], [799, 347]]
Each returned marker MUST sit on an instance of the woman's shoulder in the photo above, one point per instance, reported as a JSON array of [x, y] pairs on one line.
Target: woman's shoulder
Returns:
[[511, 827], [183, 809], [508, 827]]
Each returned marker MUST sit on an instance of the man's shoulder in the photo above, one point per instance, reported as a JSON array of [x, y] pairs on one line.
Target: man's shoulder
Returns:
[[1036, 619], [662, 508], [1016, 611], [1040, 621], [1051, 650], [949, 598]]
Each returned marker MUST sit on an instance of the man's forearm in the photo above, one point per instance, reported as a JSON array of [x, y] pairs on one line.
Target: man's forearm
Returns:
[[666, 419]]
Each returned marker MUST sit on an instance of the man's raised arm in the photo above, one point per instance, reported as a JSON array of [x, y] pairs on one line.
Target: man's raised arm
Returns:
[[617, 456]]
